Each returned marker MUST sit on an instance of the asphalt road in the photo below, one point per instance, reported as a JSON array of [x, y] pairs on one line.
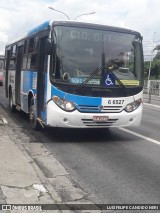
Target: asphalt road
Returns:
[[153, 99], [118, 166], [114, 166]]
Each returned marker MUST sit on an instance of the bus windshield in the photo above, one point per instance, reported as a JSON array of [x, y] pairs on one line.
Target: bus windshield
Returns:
[[80, 52]]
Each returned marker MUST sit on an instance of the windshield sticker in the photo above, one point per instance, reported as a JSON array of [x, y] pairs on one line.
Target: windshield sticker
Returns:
[[109, 80], [81, 80], [129, 82], [94, 81], [76, 80]]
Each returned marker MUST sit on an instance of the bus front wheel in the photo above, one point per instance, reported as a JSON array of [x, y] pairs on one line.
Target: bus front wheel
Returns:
[[32, 116]]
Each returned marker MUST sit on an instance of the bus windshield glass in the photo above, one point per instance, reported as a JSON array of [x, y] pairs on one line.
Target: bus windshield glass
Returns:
[[80, 52]]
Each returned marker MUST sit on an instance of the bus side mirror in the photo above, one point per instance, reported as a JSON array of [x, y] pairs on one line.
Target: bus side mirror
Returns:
[[48, 46]]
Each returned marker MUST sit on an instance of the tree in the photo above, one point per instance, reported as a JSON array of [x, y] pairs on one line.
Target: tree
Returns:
[[157, 56], [157, 48], [155, 65], [146, 68], [155, 71]]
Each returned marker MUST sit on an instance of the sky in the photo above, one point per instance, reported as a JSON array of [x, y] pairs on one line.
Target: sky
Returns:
[[19, 16]]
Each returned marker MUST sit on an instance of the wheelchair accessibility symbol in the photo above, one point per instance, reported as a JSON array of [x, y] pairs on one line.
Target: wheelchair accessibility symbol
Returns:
[[109, 81]]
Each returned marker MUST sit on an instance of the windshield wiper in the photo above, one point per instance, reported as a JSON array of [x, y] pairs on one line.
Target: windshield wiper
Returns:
[[95, 72], [89, 77]]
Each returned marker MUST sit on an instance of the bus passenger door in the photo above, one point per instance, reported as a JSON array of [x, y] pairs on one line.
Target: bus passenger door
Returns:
[[18, 75], [41, 79]]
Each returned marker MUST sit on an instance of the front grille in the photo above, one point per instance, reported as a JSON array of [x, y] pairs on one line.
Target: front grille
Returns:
[[96, 109], [86, 108], [90, 122], [111, 109]]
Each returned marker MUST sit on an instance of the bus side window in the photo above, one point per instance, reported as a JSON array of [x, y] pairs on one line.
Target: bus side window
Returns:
[[24, 62], [26, 47], [1, 64], [31, 45], [12, 58], [32, 61], [12, 63], [14, 51], [30, 54]]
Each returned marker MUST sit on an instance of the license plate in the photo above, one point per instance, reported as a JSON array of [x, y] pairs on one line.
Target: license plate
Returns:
[[100, 118]]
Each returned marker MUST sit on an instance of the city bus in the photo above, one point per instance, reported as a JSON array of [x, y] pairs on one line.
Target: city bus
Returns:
[[76, 75]]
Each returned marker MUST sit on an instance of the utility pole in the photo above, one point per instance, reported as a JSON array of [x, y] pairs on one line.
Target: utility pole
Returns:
[[51, 8], [85, 14]]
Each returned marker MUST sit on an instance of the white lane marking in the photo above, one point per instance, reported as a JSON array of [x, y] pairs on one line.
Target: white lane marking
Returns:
[[141, 136]]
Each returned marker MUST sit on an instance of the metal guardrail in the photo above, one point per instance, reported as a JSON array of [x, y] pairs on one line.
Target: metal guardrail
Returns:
[[154, 91]]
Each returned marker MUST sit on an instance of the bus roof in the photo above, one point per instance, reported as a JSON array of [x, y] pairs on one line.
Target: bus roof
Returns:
[[46, 25], [94, 26], [39, 28]]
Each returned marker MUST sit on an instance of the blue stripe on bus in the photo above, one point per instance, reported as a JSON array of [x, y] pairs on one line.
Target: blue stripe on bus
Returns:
[[28, 78], [83, 103], [41, 27], [26, 81]]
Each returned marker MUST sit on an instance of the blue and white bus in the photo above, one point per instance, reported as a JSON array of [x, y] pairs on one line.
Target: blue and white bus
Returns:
[[78, 75]]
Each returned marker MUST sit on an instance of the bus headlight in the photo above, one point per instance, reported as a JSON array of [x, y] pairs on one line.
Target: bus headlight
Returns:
[[133, 106], [64, 104]]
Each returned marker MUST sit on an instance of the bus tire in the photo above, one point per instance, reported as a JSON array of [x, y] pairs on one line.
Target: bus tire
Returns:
[[32, 116], [12, 107]]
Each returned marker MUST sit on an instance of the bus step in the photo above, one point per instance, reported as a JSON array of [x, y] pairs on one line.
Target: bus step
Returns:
[[18, 108], [41, 122]]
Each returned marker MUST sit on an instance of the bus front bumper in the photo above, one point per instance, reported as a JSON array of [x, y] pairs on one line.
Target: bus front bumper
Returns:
[[57, 117]]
